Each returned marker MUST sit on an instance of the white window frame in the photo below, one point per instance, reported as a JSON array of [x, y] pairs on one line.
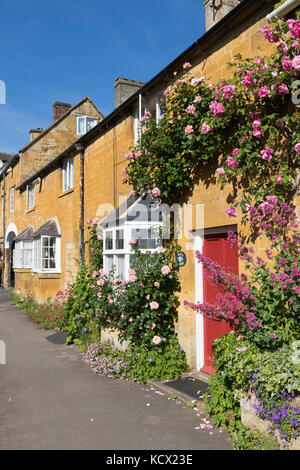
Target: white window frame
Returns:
[[85, 120], [23, 254], [12, 199], [128, 249], [38, 251], [141, 110], [68, 174], [30, 196]]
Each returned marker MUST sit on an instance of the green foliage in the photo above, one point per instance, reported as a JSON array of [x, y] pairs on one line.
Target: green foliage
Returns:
[[49, 314], [157, 363], [138, 363], [247, 439], [173, 158], [222, 404]]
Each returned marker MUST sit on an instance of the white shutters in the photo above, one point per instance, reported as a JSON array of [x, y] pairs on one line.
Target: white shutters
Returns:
[[68, 174]]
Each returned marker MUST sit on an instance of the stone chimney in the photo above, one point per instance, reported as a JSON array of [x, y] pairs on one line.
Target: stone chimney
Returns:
[[215, 10], [34, 133], [124, 88], [59, 109]]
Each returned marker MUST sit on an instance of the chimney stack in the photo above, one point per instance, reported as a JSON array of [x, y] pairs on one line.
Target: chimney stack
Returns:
[[59, 109], [34, 133], [215, 10], [124, 88]]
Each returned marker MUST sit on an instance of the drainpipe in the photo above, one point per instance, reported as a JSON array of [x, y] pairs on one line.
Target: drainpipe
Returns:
[[283, 10], [3, 228], [80, 148]]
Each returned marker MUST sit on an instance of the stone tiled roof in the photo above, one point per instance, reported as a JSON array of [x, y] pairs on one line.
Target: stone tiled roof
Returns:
[[49, 229]]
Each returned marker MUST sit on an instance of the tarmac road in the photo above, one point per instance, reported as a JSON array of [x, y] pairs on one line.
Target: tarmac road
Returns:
[[49, 400]]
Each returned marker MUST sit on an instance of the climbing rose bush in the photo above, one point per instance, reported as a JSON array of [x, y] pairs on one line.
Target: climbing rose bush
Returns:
[[244, 131]]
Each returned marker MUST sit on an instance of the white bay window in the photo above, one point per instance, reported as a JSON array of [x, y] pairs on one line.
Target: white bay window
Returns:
[[23, 254], [46, 254]]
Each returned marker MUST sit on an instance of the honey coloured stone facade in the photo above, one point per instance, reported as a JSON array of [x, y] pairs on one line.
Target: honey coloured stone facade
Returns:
[[102, 157]]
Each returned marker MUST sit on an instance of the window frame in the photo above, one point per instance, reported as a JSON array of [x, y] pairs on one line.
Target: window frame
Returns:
[[38, 258], [85, 118], [68, 174], [127, 251], [19, 255], [12, 199], [30, 206]]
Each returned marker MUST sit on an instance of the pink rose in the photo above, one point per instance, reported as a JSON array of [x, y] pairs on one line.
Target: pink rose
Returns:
[[296, 63], [100, 282], [95, 221], [281, 89], [232, 162], [263, 92], [205, 129], [235, 151], [130, 320], [287, 64], [267, 154], [167, 91], [155, 192], [189, 130], [132, 278], [154, 305], [228, 92], [220, 171], [197, 100], [137, 154], [152, 326], [297, 147], [156, 284], [278, 178], [231, 212], [95, 274], [217, 108], [191, 109], [133, 242], [99, 294], [165, 270], [157, 340], [187, 65]]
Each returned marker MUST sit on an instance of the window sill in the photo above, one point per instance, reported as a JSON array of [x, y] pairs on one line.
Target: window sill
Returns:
[[47, 275], [32, 209], [68, 191], [22, 270]]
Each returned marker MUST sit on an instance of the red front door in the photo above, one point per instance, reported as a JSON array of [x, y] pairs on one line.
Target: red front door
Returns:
[[216, 248]]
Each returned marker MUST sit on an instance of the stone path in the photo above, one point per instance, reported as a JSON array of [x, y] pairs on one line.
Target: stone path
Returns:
[[50, 400]]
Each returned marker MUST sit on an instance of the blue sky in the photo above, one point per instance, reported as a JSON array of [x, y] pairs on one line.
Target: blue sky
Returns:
[[64, 50]]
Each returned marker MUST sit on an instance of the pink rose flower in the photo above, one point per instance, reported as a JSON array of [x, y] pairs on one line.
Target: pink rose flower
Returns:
[[231, 212], [95, 221], [197, 100], [263, 92], [100, 282], [281, 89], [152, 326], [95, 274], [287, 63], [155, 192], [232, 162], [132, 193], [217, 108], [296, 63], [267, 154], [205, 129], [132, 278], [186, 65], [297, 147], [156, 284], [137, 154], [167, 91], [228, 92], [99, 294], [130, 320], [133, 242], [278, 178], [191, 109], [154, 305], [235, 151], [220, 171], [189, 130], [165, 270], [99, 237], [157, 340]]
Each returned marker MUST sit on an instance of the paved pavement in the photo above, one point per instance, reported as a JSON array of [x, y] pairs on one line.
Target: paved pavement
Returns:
[[49, 399]]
